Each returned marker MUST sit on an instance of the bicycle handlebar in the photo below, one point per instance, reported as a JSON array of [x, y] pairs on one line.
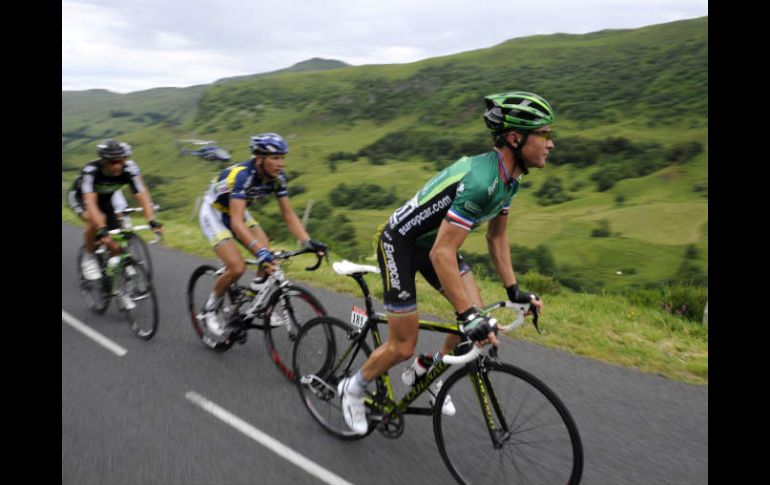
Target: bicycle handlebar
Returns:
[[291, 254], [155, 207], [155, 240], [521, 308]]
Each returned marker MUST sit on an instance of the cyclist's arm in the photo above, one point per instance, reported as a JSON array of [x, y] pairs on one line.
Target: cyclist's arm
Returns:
[[145, 202], [499, 249], [291, 219], [443, 255], [237, 224]]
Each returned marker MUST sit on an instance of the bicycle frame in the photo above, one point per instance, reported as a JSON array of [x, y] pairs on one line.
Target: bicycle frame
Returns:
[[275, 283], [384, 385]]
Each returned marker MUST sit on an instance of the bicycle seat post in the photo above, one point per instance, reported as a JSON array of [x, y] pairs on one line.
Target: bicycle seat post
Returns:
[[359, 277]]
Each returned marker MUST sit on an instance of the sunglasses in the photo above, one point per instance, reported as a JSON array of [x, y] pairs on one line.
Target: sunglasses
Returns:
[[116, 161], [546, 135]]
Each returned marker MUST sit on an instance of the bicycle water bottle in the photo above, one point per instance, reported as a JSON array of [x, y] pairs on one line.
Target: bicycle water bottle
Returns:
[[113, 264], [416, 369]]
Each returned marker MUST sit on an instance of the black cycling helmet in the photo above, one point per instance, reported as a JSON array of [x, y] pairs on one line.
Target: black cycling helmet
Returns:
[[268, 144], [113, 150], [517, 110]]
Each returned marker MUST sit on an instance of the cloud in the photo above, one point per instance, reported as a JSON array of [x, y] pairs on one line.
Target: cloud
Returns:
[[141, 44]]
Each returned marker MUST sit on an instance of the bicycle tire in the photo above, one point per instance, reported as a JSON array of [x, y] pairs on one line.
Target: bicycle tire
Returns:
[[143, 318], [542, 433], [198, 290], [140, 252], [295, 306], [318, 367], [96, 293]]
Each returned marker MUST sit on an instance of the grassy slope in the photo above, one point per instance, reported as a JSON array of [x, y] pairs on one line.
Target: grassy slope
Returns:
[[318, 112]]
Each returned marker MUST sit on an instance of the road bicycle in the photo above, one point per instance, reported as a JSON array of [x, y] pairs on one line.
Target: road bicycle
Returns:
[[279, 309], [125, 279], [507, 427]]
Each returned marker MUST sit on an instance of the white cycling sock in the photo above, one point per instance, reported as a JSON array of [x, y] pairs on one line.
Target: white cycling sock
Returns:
[[357, 385]]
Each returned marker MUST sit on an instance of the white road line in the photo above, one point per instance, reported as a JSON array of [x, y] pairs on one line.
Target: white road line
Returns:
[[266, 440], [92, 334]]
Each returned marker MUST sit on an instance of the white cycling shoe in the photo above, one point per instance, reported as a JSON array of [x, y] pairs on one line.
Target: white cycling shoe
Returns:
[[213, 324], [353, 409], [90, 267]]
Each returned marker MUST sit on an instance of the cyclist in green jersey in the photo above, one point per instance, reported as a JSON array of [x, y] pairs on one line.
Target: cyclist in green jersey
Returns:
[[425, 234]]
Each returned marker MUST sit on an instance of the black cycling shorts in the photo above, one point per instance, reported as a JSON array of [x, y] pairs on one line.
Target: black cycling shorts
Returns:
[[400, 260]]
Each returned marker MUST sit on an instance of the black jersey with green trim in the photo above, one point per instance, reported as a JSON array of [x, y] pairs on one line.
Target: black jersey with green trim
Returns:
[[242, 181], [93, 179], [468, 193]]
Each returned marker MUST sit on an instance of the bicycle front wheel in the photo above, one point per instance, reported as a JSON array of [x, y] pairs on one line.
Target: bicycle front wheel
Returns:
[[143, 316], [293, 306], [509, 427], [323, 355], [140, 252]]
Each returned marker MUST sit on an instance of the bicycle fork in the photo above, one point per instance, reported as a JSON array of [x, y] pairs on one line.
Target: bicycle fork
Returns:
[[488, 401]]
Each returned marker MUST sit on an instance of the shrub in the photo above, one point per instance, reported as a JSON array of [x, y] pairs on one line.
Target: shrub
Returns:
[[603, 230], [538, 283]]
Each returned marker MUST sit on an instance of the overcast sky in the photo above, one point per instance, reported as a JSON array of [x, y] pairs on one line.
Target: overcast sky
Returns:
[[132, 45]]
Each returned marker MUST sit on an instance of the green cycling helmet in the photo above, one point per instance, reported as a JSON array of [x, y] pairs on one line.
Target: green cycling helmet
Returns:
[[517, 110]]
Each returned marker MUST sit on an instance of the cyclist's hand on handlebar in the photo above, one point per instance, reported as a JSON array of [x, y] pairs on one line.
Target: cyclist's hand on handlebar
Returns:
[[316, 246], [156, 226], [478, 327], [519, 296], [265, 260], [102, 235]]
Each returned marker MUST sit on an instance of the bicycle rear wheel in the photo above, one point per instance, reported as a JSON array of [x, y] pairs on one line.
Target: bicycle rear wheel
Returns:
[[143, 317], [323, 355], [509, 427], [96, 293], [198, 290], [291, 308], [140, 251]]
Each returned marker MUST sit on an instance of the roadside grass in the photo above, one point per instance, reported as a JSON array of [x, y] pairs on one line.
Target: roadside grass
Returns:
[[604, 327]]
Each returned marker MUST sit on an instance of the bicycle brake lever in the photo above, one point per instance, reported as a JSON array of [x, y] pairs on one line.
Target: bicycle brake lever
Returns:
[[493, 353], [317, 264], [535, 316]]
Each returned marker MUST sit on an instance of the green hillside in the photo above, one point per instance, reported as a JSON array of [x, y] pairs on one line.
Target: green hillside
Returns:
[[622, 204]]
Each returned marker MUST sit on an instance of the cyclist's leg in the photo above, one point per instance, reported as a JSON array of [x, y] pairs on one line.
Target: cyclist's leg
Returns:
[[395, 258], [105, 205], [471, 290], [223, 243], [228, 252], [75, 202], [119, 204]]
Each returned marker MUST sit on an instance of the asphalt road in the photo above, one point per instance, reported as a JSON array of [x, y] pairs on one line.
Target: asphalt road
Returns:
[[131, 419]]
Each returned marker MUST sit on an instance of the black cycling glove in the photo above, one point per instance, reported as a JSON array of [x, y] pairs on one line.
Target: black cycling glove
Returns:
[[474, 325], [518, 296], [316, 246]]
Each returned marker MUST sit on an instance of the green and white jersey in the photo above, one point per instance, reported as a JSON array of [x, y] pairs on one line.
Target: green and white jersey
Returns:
[[468, 193]]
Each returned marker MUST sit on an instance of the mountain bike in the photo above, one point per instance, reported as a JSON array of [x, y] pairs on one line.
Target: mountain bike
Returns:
[[508, 426], [124, 278], [279, 309]]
